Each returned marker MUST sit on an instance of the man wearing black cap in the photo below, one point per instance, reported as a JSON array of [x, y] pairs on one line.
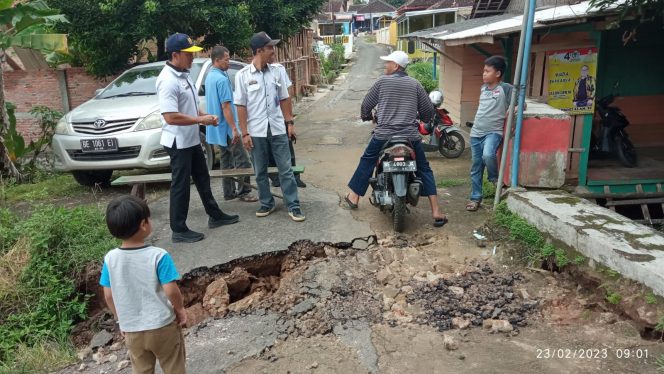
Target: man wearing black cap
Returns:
[[267, 124], [181, 139]]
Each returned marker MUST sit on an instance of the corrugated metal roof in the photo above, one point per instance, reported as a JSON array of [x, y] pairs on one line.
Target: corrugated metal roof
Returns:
[[487, 8], [456, 27], [377, 6], [484, 29]]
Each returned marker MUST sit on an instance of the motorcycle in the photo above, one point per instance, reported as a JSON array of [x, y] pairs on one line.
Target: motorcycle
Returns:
[[444, 136], [613, 140], [395, 183]]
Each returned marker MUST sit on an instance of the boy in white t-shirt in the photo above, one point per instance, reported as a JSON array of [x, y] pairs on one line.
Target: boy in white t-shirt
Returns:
[[140, 288]]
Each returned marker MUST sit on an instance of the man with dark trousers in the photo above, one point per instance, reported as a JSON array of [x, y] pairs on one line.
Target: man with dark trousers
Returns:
[[180, 136]]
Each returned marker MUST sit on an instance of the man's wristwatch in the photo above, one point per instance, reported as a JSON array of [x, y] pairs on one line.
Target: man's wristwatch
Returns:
[[290, 123], [243, 135]]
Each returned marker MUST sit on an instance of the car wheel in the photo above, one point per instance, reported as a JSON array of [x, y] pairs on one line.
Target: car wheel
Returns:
[[91, 178]]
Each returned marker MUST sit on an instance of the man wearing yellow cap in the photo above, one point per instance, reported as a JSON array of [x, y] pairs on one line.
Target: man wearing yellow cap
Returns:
[[180, 136]]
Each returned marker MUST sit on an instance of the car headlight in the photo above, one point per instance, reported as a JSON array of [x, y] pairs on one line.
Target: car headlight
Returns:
[[153, 121], [62, 128]]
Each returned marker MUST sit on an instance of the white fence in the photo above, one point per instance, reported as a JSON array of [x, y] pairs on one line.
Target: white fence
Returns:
[[383, 36], [346, 40]]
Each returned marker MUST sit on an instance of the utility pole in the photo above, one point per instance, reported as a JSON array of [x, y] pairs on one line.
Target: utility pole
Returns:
[[334, 25]]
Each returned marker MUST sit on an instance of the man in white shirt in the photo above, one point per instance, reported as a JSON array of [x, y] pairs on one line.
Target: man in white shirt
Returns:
[[260, 96], [180, 136], [289, 109]]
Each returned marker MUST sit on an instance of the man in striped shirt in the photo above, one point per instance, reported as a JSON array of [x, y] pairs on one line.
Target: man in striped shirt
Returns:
[[400, 100]]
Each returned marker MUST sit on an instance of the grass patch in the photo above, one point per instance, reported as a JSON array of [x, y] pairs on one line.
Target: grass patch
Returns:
[[41, 358], [579, 260], [331, 65], [488, 189], [660, 364], [45, 304], [538, 251], [613, 298], [12, 264], [651, 299], [451, 182], [47, 187], [370, 38], [422, 71], [660, 324]]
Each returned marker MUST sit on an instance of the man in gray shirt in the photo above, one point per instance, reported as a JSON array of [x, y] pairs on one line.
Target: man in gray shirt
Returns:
[[487, 132], [400, 100]]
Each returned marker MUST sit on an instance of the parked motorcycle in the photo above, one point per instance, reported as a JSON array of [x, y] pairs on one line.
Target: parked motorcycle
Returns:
[[444, 136], [395, 183], [612, 140]]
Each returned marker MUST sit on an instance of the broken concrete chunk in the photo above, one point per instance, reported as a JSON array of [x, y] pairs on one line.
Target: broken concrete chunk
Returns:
[[497, 325], [123, 364], [450, 343], [216, 298], [196, 314], [457, 290], [460, 323], [100, 339], [304, 306]]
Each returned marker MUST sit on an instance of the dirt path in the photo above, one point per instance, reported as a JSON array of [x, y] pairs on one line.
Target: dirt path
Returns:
[[317, 308]]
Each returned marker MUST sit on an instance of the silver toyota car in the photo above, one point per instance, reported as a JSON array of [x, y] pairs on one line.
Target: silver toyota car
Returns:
[[120, 128]]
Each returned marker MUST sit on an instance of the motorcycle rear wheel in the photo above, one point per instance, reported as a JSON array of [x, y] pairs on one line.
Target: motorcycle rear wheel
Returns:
[[399, 214], [626, 152], [452, 146]]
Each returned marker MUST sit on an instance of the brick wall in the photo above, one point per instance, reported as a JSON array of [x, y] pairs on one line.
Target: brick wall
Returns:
[[28, 88], [81, 86]]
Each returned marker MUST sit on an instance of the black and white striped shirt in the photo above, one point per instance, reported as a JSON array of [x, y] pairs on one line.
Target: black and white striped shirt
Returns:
[[400, 100]]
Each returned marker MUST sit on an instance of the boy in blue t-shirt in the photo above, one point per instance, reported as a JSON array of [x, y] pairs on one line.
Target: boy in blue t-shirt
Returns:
[[140, 289], [487, 131]]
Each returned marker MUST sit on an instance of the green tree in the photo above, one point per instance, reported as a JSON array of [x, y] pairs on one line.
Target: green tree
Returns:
[[283, 18], [106, 35], [28, 25], [396, 3], [645, 10]]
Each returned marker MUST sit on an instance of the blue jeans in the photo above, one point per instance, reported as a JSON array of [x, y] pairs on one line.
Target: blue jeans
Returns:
[[360, 180], [278, 146], [484, 151]]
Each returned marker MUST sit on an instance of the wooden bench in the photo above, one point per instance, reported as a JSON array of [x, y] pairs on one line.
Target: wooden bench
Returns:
[[138, 182]]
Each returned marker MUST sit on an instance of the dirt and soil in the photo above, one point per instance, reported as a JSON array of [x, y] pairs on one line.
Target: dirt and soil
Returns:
[[425, 301]]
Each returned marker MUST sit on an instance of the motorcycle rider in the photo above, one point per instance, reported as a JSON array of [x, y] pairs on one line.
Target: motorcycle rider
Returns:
[[398, 116]]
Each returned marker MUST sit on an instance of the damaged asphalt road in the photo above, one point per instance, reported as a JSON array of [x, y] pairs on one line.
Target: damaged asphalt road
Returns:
[[287, 299]]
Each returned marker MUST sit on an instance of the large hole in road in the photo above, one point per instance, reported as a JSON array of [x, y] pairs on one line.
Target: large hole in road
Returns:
[[316, 287], [248, 275]]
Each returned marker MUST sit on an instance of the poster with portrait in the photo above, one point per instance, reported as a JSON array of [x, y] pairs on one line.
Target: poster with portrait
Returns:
[[572, 80]]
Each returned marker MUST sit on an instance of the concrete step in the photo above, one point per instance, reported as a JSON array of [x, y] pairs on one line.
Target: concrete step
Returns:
[[632, 249]]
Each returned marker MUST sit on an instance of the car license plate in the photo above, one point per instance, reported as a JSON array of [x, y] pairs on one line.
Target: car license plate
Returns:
[[397, 166], [99, 145]]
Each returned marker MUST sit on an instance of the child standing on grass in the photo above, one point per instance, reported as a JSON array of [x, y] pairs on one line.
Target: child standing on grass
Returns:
[[487, 131], [140, 289]]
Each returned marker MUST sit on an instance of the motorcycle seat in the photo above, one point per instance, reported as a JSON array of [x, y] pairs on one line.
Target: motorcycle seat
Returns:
[[397, 140]]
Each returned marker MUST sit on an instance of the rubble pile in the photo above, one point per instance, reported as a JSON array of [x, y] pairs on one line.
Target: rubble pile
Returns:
[[474, 297]]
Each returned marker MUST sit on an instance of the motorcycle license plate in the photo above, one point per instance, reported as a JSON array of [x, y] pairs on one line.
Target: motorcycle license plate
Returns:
[[397, 166]]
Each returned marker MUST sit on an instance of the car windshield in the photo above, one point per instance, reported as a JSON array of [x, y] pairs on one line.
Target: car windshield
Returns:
[[140, 82]]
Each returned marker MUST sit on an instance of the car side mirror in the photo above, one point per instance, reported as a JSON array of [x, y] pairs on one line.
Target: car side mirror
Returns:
[[411, 47]]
